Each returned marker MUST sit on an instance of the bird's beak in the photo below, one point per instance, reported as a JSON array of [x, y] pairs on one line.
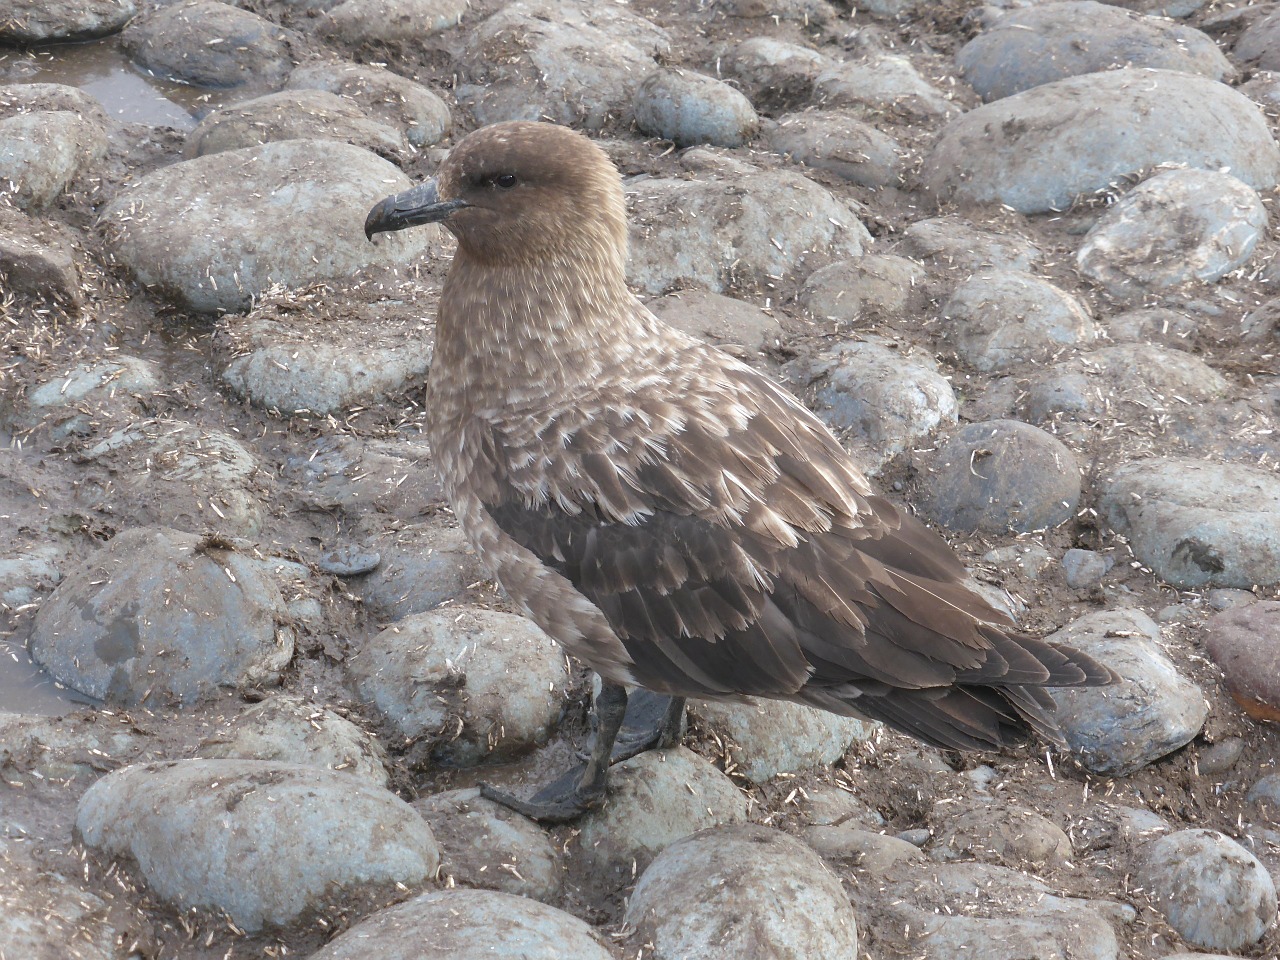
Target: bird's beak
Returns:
[[417, 205]]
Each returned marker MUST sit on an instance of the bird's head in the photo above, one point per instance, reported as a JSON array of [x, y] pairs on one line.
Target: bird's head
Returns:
[[516, 193]]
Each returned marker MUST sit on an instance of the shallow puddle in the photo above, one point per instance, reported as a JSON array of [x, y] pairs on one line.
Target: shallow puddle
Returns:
[[25, 688]]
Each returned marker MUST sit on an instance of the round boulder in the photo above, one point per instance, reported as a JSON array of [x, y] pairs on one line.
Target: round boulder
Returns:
[[46, 21], [1244, 641], [44, 152], [690, 108], [421, 116]]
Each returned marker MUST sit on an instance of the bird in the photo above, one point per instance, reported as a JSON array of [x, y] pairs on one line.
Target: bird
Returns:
[[673, 517]]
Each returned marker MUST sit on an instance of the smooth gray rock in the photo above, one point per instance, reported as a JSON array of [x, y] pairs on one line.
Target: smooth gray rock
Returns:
[[35, 750], [773, 736], [1155, 325], [997, 832], [101, 391], [1003, 318], [24, 575], [710, 233], [878, 400], [43, 21], [873, 287], [863, 849], [1213, 891], [481, 684], [288, 213], [827, 804], [390, 21], [423, 565], [1002, 475], [1244, 641], [211, 44], [466, 924], [526, 62], [1103, 825], [1178, 227], [38, 263], [484, 844], [1198, 523], [1152, 710], [294, 115], [265, 843], [655, 799], [1038, 150], [953, 245], [415, 110], [1259, 43], [882, 84], [394, 478], [46, 152], [295, 730], [48, 916], [739, 327], [1265, 795], [1051, 41], [278, 364], [775, 74], [1084, 568], [158, 616], [741, 891], [836, 143], [1029, 559], [809, 13], [691, 108]]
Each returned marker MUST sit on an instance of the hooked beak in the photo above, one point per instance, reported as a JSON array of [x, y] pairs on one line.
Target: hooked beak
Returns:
[[417, 205]]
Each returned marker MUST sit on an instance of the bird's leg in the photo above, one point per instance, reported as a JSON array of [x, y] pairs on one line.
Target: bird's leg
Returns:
[[579, 789], [652, 721]]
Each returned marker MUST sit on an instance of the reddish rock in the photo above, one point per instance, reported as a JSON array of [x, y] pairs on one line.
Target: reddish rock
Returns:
[[1245, 642]]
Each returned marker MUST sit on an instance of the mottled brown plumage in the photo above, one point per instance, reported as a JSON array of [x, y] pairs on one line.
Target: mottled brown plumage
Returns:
[[670, 515]]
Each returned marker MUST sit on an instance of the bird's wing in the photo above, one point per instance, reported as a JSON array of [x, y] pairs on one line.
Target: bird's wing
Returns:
[[741, 552]]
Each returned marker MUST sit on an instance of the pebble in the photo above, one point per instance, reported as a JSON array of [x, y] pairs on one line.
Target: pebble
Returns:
[[691, 108], [862, 849], [1036, 151], [186, 41], [286, 213], [423, 565], [481, 685], [293, 729], [836, 143], [294, 115], [711, 233], [1003, 318], [1244, 641], [1198, 523], [878, 398], [357, 22], [1084, 568], [1212, 891], [46, 152], [162, 617], [872, 288], [775, 75], [655, 799], [734, 325], [265, 843], [773, 736], [948, 243], [420, 115], [1178, 227], [741, 891], [881, 85], [1220, 757], [1029, 560], [1153, 710], [1036, 45], [464, 924], [45, 21], [999, 476], [484, 844], [524, 62]]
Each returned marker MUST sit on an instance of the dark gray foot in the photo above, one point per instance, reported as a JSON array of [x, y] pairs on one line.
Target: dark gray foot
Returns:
[[652, 722]]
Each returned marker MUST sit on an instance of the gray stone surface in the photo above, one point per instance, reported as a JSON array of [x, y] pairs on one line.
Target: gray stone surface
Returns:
[[46, 152], [465, 924], [1198, 523], [293, 729], [736, 326], [862, 291], [1156, 325], [1051, 41], [1002, 475], [997, 832], [954, 245], [415, 110], [158, 616], [480, 684], [1152, 710], [866, 851], [879, 400], [484, 844], [48, 916], [741, 891], [1244, 641], [391, 21], [1213, 891], [265, 843], [836, 143], [709, 232], [35, 750], [187, 41], [691, 108], [43, 21], [24, 575], [1084, 568], [654, 799], [85, 395], [1178, 227], [773, 736], [775, 74], [288, 213], [294, 115], [1001, 318], [1259, 43], [423, 565], [359, 476], [38, 263], [879, 86], [1265, 795], [1038, 150]]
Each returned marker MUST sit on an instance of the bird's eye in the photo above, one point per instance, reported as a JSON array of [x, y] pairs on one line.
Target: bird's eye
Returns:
[[505, 180]]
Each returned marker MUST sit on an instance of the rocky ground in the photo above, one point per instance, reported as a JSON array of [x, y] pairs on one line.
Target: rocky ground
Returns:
[[1018, 256]]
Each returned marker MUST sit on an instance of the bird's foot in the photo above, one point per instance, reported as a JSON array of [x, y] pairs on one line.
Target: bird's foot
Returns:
[[565, 798], [651, 722]]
